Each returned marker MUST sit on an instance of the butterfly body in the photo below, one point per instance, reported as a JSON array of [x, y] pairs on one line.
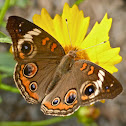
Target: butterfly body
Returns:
[[64, 66], [45, 74]]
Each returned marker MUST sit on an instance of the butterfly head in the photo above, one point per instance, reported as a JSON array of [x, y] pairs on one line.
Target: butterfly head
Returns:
[[72, 54]]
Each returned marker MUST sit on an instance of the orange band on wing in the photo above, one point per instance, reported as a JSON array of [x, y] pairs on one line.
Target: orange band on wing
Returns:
[[84, 66], [26, 84], [53, 47], [108, 90], [61, 106], [91, 71], [84, 97], [21, 55], [45, 40]]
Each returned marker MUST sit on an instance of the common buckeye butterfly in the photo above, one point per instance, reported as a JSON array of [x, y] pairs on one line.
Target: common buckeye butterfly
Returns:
[[45, 74]]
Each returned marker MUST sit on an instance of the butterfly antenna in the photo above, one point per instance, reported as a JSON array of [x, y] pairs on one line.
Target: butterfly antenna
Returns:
[[91, 46], [68, 32]]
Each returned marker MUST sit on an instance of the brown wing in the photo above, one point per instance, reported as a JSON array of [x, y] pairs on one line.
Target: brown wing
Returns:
[[32, 42], [84, 84], [37, 54]]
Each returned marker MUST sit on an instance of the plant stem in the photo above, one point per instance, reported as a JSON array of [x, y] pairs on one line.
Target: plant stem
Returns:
[[37, 123], [3, 10], [8, 88]]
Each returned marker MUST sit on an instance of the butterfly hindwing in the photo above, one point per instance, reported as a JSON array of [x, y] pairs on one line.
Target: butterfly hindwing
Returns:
[[32, 79], [84, 84]]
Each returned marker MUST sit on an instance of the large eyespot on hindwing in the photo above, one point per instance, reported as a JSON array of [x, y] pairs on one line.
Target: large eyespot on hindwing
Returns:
[[70, 97], [56, 101], [88, 90], [27, 87], [30, 70]]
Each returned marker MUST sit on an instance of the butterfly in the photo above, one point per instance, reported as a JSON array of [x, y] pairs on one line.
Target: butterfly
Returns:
[[45, 74]]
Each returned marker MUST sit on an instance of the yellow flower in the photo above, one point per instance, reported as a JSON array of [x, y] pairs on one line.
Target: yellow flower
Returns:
[[102, 54]]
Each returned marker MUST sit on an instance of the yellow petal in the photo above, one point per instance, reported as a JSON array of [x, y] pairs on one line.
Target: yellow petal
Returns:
[[77, 31], [108, 58], [44, 21], [110, 68], [99, 33], [60, 36]]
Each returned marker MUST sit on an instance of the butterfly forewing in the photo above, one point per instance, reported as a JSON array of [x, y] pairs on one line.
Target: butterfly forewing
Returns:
[[37, 54], [32, 42]]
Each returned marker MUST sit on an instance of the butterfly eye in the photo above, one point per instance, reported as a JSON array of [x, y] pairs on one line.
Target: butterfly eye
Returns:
[[56, 101], [30, 70], [33, 86], [89, 89], [70, 97], [27, 48]]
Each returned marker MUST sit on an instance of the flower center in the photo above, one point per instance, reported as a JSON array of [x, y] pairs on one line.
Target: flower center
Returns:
[[80, 54]]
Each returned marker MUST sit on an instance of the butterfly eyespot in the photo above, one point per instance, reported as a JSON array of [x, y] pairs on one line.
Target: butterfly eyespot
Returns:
[[106, 87], [33, 86], [70, 97], [56, 101], [19, 30], [30, 70], [27, 48], [89, 89]]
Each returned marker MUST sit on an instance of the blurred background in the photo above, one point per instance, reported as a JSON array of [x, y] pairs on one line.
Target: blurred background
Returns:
[[12, 105]]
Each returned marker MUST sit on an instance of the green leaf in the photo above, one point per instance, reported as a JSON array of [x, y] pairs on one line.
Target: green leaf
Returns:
[[8, 88], [7, 63], [3, 10], [2, 35], [4, 38]]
